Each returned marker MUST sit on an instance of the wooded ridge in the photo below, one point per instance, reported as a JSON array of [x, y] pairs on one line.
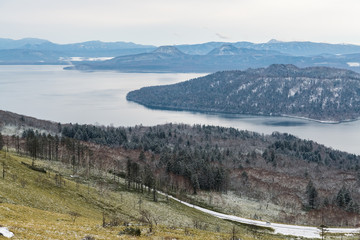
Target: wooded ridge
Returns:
[[320, 93]]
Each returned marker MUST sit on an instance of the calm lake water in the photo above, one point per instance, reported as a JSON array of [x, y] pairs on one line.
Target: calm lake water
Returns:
[[51, 93]]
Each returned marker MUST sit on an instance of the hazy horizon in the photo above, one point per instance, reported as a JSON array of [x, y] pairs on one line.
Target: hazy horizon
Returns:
[[161, 22], [189, 43]]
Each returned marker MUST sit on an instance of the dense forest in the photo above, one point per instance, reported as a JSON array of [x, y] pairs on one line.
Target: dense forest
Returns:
[[319, 93]]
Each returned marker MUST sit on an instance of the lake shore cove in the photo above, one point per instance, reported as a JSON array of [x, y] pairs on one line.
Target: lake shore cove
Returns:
[[60, 96]]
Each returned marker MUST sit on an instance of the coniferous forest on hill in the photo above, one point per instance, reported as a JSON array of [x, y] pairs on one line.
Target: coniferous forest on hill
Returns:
[[182, 159], [320, 93]]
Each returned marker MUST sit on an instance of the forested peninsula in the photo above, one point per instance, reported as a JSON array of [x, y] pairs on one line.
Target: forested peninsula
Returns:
[[319, 93]]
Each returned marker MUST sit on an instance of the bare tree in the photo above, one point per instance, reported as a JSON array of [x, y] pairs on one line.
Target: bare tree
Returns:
[[323, 230], [74, 215], [1, 141], [4, 169], [147, 218], [23, 183], [233, 233]]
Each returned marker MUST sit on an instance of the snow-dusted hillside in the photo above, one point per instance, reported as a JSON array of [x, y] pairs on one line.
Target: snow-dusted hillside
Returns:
[[321, 93]]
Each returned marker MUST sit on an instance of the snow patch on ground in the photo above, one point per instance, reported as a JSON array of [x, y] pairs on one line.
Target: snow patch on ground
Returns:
[[312, 98], [10, 130], [5, 232], [81, 59], [353, 64], [285, 229], [217, 83], [293, 91], [243, 86]]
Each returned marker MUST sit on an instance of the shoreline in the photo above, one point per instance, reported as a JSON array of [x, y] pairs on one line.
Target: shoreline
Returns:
[[321, 121], [152, 107]]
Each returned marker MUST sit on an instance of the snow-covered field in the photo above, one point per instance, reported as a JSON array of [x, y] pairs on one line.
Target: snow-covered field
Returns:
[[285, 229]]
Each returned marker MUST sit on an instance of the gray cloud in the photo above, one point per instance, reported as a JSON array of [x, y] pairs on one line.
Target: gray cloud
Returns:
[[222, 36]]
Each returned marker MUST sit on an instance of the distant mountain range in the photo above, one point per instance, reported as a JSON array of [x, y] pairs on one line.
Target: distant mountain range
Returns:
[[171, 59], [39, 51], [206, 57], [41, 44], [6, 43], [320, 93], [229, 49], [291, 48], [92, 48], [225, 57]]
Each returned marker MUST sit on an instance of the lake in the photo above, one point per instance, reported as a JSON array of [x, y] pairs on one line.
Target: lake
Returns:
[[51, 93]]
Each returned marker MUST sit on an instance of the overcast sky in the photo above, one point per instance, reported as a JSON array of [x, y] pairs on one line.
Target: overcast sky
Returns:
[[161, 22]]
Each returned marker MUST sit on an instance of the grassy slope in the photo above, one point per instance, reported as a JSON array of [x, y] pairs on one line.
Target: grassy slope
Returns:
[[39, 209]]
